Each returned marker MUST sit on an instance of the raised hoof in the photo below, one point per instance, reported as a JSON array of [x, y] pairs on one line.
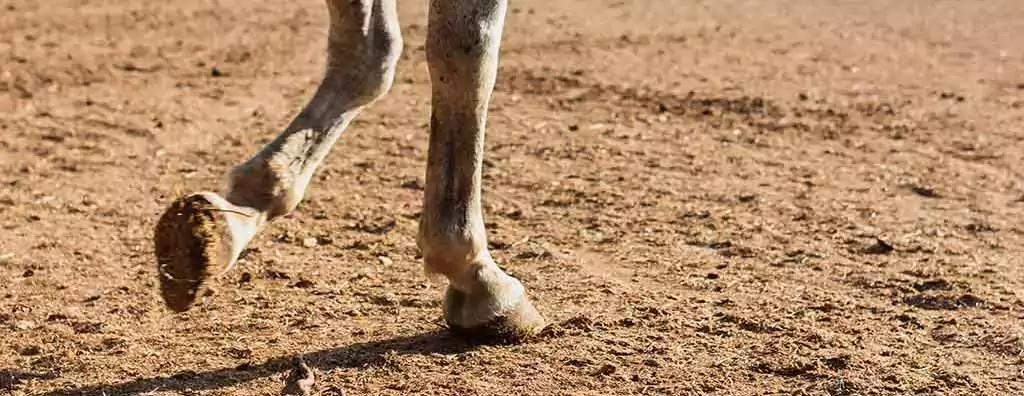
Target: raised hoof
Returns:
[[514, 325], [189, 246]]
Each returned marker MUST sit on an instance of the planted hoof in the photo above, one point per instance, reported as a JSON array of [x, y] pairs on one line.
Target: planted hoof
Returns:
[[493, 315]]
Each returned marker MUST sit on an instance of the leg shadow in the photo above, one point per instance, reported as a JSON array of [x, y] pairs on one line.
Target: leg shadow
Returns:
[[351, 356], [12, 378]]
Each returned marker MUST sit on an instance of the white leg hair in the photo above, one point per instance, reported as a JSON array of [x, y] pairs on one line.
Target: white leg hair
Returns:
[[463, 41], [204, 232]]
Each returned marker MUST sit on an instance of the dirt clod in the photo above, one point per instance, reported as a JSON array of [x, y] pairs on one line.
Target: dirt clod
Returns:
[[30, 350], [927, 192], [606, 369], [300, 380], [879, 247]]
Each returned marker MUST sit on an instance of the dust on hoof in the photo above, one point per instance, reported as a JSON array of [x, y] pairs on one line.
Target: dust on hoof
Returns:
[[187, 245], [521, 324]]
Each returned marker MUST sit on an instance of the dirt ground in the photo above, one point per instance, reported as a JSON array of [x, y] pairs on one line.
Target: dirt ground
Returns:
[[743, 197]]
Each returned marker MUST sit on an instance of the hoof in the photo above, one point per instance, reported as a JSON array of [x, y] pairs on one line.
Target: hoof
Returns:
[[189, 246], [474, 317]]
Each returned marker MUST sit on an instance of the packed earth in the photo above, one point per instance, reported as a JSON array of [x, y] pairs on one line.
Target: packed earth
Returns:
[[743, 197]]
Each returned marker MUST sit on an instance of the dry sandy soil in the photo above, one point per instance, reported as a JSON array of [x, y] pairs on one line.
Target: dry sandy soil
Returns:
[[744, 197]]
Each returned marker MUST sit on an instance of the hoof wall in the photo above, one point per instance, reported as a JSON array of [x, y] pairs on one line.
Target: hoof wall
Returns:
[[515, 326]]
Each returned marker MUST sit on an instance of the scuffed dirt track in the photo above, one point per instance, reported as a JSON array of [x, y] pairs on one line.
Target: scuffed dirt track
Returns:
[[733, 197]]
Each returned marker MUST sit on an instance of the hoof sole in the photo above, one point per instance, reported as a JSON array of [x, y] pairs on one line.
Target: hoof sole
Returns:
[[187, 244]]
